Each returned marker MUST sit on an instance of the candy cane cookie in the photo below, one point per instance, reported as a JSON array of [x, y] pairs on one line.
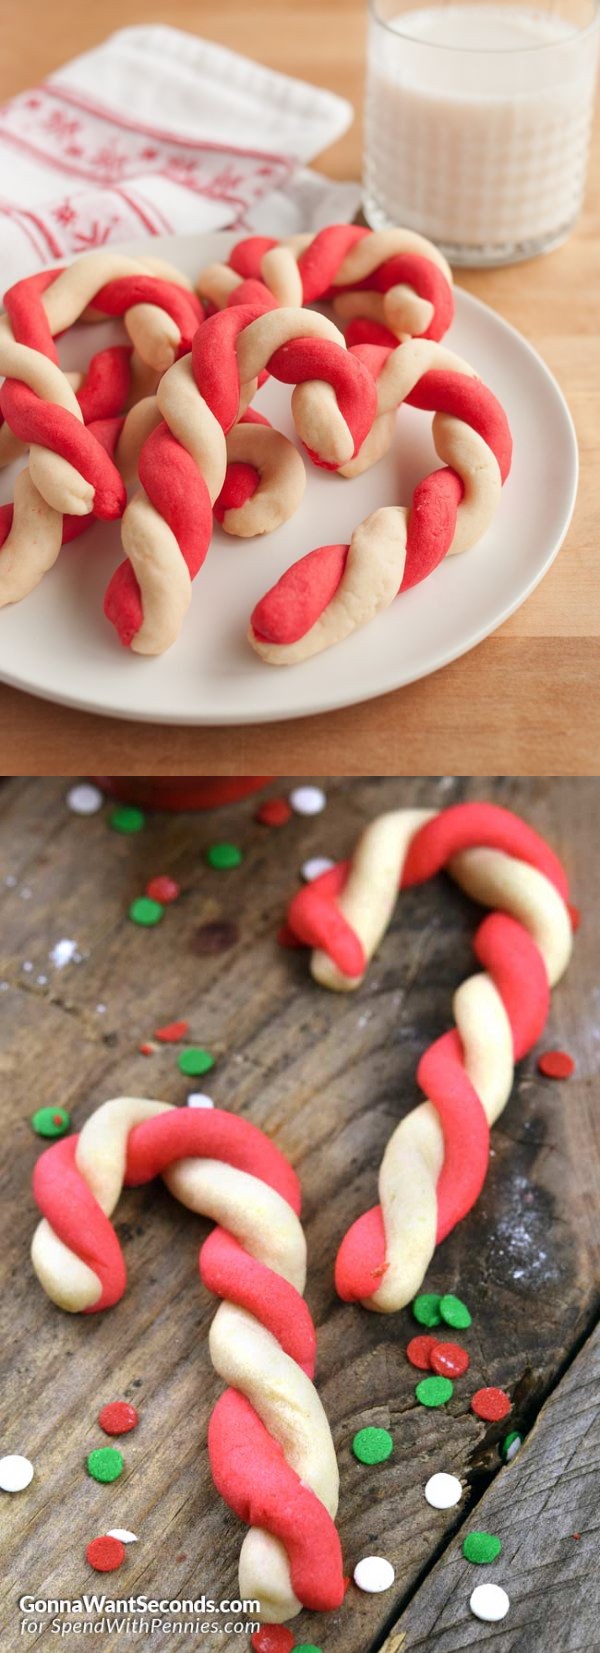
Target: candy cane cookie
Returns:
[[332, 591], [31, 531], [265, 478], [435, 1162], [182, 465], [269, 1441], [68, 466], [387, 283]]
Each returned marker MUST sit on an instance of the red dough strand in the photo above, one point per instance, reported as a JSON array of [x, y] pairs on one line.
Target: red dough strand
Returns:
[[33, 420], [252, 1475], [228, 1271], [177, 490], [65, 1199]]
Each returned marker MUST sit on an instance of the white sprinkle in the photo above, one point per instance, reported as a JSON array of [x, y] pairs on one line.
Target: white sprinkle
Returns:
[[4, 985], [442, 1491], [511, 1451], [41, 980], [10, 881], [100, 1009], [27, 966], [489, 1602], [122, 1533], [316, 867], [15, 1472], [84, 800], [25, 893], [63, 953], [308, 800], [374, 1574], [199, 1099]]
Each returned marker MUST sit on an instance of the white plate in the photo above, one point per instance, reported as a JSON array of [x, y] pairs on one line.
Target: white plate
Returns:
[[57, 643]]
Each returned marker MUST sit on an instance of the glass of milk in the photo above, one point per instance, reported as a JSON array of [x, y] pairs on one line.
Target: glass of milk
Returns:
[[477, 122]]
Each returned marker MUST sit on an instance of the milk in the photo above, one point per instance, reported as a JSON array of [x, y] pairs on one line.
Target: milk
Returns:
[[481, 145]]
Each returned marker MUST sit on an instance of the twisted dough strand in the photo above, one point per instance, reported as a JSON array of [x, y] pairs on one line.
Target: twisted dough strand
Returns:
[[436, 1160], [270, 1446], [387, 283]]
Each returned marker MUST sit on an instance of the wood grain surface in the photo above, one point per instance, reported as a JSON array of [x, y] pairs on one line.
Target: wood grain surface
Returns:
[[547, 1516], [327, 1077], [526, 700]]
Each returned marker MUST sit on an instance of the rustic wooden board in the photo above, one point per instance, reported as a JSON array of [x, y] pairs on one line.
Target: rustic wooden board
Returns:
[[327, 1076], [545, 1508]]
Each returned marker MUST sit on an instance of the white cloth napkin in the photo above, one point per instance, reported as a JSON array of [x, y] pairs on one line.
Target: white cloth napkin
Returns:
[[155, 132]]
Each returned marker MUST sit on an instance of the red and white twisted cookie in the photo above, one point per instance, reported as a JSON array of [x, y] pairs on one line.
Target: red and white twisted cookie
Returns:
[[67, 464], [264, 481], [31, 531], [387, 283], [265, 477], [270, 1446], [333, 590], [182, 464], [435, 1163]]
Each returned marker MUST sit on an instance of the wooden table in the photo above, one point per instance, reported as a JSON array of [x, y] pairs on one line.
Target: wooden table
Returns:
[[326, 1076], [525, 700]]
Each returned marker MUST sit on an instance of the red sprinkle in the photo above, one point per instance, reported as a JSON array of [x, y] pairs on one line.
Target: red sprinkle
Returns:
[[171, 1033], [274, 813], [574, 915], [118, 1418], [449, 1360], [491, 1404], [272, 1638], [147, 1049], [420, 1351], [105, 1554], [163, 889], [556, 1064]]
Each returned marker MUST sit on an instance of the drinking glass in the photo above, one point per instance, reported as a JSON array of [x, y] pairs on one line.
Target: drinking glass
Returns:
[[477, 122]]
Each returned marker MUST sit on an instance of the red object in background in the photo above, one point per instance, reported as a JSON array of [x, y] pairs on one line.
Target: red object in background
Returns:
[[181, 791]]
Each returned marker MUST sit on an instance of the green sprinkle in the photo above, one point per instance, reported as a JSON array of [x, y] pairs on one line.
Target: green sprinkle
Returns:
[[223, 856], [306, 1647], [434, 1391], [481, 1547], [510, 1445], [372, 1446], [51, 1121], [195, 1061], [454, 1312], [106, 1464], [426, 1308], [127, 819], [145, 911]]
